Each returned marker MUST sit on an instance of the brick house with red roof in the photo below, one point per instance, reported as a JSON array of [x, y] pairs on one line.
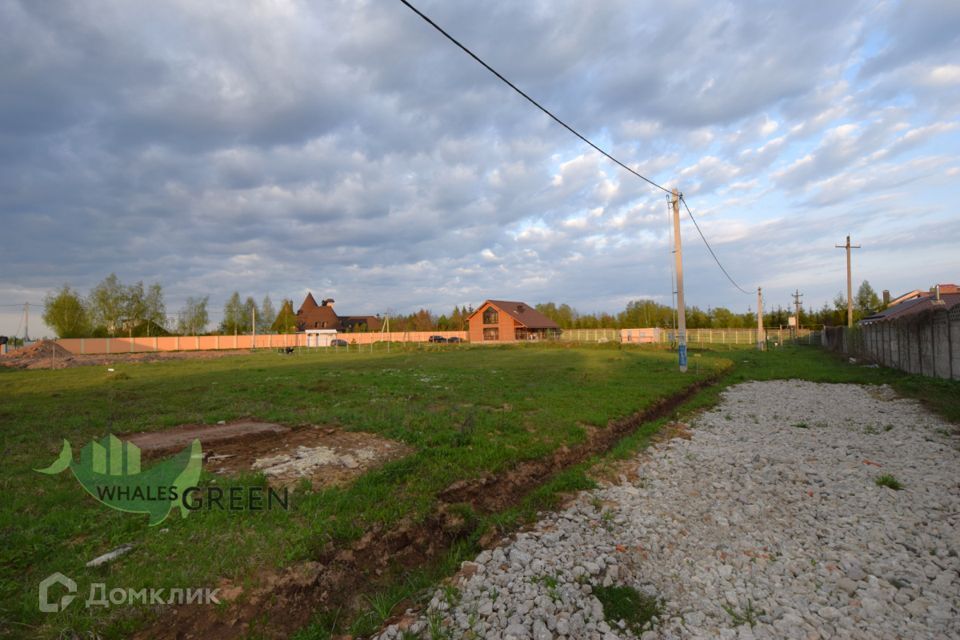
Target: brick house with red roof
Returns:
[[313, 316], [509, 321]]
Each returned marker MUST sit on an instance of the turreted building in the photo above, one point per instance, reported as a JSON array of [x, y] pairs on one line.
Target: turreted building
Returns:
[[313, 316]]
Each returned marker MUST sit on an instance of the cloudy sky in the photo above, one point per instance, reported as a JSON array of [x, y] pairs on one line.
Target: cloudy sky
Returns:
[[349, 149]]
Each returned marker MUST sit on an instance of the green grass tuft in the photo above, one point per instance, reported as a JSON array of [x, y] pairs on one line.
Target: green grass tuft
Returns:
[[625, 603], [748, 616], [888, 481]]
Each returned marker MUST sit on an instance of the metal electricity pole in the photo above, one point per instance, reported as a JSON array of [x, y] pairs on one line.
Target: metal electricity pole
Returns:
[[760, 337], [26, 322], [849, 246], [253, 324], [678, 261]]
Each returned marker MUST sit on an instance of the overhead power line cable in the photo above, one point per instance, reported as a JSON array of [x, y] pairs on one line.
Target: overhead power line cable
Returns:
[[710, 249], [531, 100], [568, 128]]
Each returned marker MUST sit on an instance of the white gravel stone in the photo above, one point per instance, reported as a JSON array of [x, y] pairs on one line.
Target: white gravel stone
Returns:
[[755, 528]]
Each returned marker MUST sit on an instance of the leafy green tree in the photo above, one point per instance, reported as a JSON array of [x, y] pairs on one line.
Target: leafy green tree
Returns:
[[134, 305], [697, 318], [286, 321], [250, 311], [721, 318], [193, 318], [458, 319], [107, 305], [645, 313], [422, 320], [65, 313], [267, 315], [840, 308], [564, 315], [232, 315], [866, 302], [144, 311], [155, 309]]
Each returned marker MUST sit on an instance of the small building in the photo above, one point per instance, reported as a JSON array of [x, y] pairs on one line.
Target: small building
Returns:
[[916, 302], [313, 317], [320, 337], [508, 321]]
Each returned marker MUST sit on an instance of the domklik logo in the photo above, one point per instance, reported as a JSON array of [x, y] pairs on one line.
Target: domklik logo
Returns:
[[109, 471], [57, 578]]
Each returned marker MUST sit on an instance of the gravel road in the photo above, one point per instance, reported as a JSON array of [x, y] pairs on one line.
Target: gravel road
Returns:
[[768, 523]]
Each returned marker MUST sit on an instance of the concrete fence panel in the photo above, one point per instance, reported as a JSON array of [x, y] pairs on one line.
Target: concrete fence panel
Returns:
[[939, 329], [953, 338], [926, 343]]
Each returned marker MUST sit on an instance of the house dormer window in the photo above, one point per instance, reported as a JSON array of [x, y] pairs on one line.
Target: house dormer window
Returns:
[[490, 316]]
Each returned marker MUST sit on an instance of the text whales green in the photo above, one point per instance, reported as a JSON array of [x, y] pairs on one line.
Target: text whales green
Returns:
[[110, 471]]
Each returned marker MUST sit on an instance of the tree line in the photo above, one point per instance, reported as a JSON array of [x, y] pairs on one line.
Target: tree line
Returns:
[[112, 308], [647, 313]]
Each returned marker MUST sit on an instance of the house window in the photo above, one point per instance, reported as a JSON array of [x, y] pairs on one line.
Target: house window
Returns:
[[491, 333], [490, 316]]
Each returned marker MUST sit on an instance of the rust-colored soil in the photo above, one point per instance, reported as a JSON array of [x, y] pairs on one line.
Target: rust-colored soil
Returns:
[[285, 600], [325, 456], [159, 443]]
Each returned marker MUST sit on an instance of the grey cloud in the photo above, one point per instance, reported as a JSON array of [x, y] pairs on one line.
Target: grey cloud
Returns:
[[348, 146], [920, 29]]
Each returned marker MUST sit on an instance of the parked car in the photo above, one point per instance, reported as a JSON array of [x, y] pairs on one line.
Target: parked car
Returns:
[[454, 339], [337, 342], [436, 339]]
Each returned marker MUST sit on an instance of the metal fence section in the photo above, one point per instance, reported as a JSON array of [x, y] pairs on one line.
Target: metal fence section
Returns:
[[695, 337], [590, 335], [744, 337]]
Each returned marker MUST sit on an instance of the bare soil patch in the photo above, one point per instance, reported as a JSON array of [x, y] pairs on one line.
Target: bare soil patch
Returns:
[[48, 354], [326, 456]]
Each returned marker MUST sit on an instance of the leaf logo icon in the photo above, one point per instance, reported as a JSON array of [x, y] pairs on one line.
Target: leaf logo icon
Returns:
[[110, 471]]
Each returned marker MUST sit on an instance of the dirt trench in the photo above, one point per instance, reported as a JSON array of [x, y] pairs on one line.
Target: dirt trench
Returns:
[[286, 600]]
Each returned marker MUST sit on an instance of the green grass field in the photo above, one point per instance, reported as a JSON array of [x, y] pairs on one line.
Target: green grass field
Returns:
[[523, 402]]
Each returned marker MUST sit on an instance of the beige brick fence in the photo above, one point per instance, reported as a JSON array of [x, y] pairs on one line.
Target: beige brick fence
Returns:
[[90, 346]]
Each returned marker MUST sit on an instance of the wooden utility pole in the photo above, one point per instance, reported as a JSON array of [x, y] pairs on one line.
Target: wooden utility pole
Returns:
[[26, 323], [253, 325], [796, 305], [678, 261], [760, 337], [849, 246]]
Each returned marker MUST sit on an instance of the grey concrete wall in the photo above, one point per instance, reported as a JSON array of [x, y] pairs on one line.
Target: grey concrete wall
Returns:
[[939, 326], [953, 329], [926, 344]]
